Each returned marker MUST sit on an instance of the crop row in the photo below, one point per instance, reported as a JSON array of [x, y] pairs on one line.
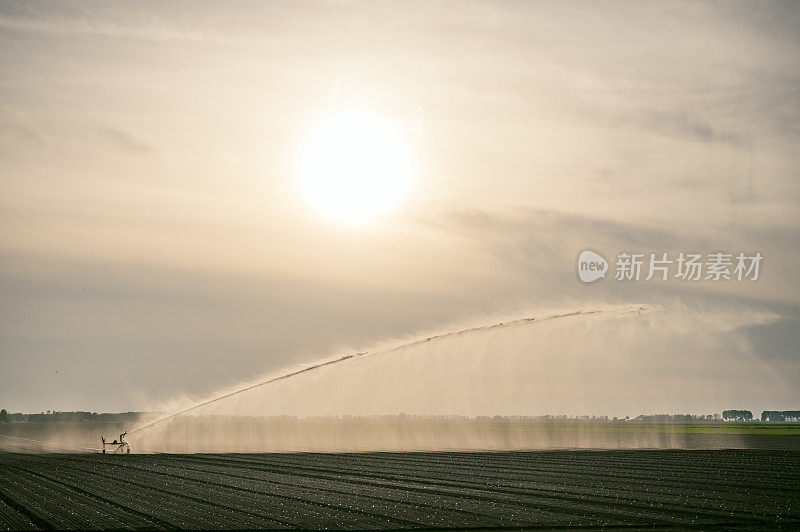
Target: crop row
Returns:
[[609, 500], [400, 490]]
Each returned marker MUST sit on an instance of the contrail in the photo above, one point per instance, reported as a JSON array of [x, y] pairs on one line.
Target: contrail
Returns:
[[630, 309]]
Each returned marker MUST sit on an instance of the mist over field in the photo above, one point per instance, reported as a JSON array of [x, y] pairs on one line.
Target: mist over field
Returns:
[[539, 366], [431, 391]]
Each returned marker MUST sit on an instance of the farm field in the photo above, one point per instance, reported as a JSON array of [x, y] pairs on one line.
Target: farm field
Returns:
[[402, 490]]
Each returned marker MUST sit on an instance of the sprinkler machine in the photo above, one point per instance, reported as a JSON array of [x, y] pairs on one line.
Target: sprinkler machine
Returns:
[[116, 447]]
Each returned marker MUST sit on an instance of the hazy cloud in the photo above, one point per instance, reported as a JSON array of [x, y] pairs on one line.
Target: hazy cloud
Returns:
[[124, 141], [683, 125]]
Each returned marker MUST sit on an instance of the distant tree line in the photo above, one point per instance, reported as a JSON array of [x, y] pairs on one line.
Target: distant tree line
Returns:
[[780, 415], [127, 417], [676, 418], [44, 417]]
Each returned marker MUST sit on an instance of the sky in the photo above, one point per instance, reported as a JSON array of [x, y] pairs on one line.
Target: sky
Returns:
[[157, 238]]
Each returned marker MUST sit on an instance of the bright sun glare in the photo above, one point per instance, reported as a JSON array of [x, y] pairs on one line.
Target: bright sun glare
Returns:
[[355, 167]]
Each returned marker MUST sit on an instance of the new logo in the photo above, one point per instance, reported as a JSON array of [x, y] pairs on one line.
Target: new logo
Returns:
[[591, 266]]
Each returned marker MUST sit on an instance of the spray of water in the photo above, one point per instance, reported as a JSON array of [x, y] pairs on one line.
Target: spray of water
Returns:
[[618, 360], [632, 309], [443, 391]]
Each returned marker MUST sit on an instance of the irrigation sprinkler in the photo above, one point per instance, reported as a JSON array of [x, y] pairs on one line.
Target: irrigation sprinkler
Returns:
[[117, 447]]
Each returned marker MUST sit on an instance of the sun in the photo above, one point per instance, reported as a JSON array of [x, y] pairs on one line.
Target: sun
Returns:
[[355, 167]]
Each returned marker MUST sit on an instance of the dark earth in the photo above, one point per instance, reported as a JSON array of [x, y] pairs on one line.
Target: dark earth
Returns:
[[750, 488]]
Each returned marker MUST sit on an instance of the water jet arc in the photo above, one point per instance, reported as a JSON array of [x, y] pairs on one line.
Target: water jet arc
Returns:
[[628, 309]]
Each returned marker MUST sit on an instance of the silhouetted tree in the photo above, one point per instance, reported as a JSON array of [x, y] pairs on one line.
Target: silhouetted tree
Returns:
[[737, 415], [4, 418], [780, 415]]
